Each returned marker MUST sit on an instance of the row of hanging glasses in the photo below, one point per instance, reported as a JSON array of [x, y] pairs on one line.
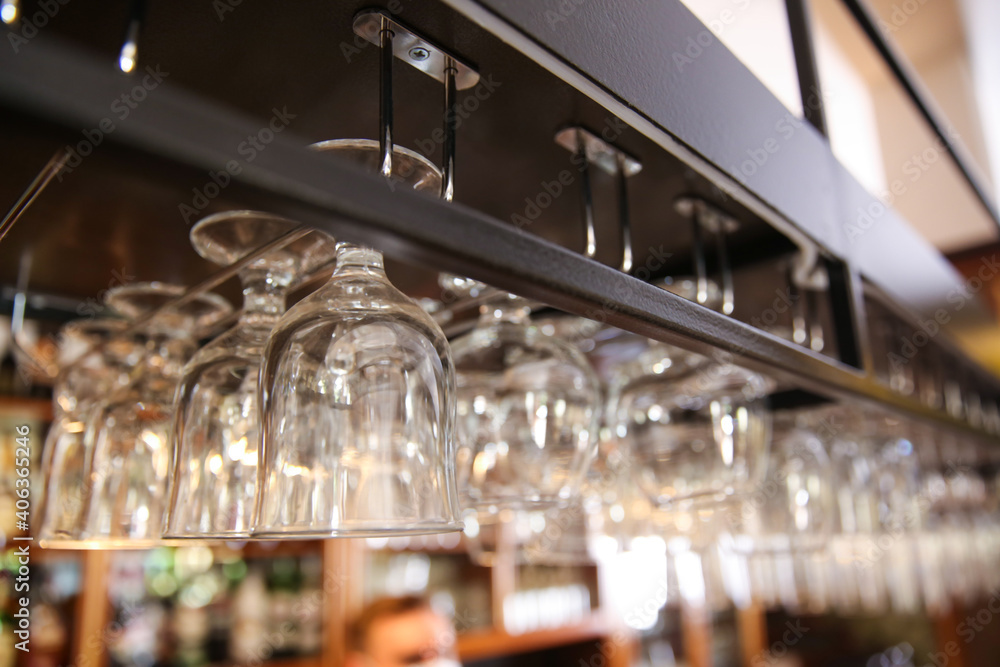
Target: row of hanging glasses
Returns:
[[855, 512], [350, 414], [572, 441], [547, 438], [332, 418], [827, 508]]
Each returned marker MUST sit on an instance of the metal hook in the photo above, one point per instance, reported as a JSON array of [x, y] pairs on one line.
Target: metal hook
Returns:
[[396, 40], [816, 337], [51, 169], [41, 366], [706, 217], [450, 117], [805, 278], [698, 252], [728, 299], [589, 148], [587, 197], [129, 53], [623, 216], [35, 188], [799, 312], [385, 96]]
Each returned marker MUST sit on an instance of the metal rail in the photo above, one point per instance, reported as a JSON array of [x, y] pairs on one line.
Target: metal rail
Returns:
[[800, 27]]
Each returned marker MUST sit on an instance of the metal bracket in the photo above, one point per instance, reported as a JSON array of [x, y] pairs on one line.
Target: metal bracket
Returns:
[[708, 216], [599, 152], [413, 49], [614, 161]]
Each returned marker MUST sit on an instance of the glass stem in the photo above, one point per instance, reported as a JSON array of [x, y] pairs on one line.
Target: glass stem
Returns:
[[263, 296], [353, 258], [512, 310]]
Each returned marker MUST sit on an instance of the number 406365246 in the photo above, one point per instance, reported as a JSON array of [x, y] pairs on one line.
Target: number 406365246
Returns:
[[22, 463]]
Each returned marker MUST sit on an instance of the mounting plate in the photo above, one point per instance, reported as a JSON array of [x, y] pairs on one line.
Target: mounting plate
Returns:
[[712, 218], [599, 152], [411, 48]]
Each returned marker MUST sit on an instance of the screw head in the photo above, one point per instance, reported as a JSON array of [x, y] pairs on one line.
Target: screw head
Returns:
[[419, 53]]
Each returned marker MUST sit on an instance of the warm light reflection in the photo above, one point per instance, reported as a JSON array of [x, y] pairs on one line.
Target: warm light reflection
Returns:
[[215, 464], [126, 61], [9, 11], [237, 450], [151, 439]]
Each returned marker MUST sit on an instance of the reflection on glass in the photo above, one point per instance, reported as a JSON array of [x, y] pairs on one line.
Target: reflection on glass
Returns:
[[216, 432], [357, 397], [528, 405], [130, 430], [86, 378]]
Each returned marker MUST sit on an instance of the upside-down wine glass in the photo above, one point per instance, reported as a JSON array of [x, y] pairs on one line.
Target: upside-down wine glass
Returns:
[[129, 434], [789, 519], [860, 582], [215, 438], [528, 409], [357, 398], [696, 429], [86, 377]]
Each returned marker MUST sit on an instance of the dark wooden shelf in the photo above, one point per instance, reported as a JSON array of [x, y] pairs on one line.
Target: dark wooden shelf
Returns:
[[483, 644], [27, 408]]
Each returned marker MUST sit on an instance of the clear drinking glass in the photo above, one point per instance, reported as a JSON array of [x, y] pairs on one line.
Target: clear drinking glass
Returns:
[[901, 512], [129, 434], [528, 409], [622, 518], [357, 399], [86, 377], [794, 508], [790, 516], [953, 493], [698, 431], [854, 545], [215, 439], [560, 536]]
